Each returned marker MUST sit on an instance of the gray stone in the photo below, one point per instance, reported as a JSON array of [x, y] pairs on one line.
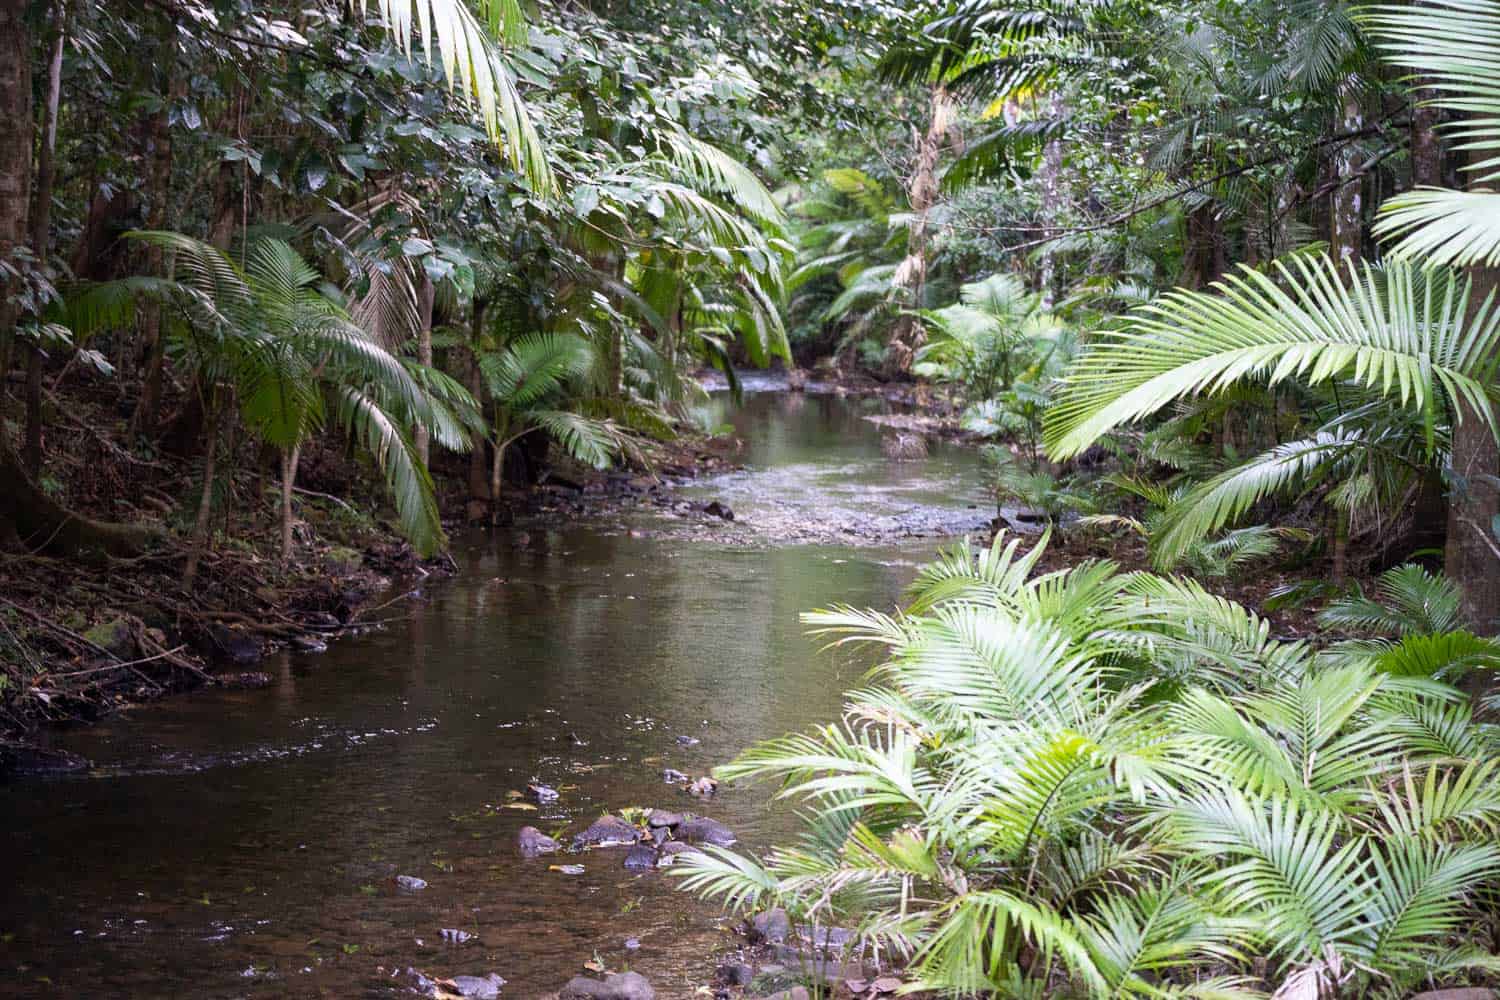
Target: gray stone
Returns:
[[641, 857], [410, 883], [532, 842], [702, 830], [607, 831], [624, 986], [661, 817], [795, 993], [673, 777], [542, 794], [772, 925], [672, 849], [735, 974], [479, 987]]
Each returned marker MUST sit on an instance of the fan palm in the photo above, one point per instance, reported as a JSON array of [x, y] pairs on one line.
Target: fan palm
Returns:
[[466, 51], [1030, 799], [1407, 338], [526, 379], [1451, 43]]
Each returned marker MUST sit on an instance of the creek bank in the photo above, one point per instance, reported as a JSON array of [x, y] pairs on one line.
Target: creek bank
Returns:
[[89, 645]]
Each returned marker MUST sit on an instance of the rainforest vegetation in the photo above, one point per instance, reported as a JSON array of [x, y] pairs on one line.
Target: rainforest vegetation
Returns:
[[1214, 286]]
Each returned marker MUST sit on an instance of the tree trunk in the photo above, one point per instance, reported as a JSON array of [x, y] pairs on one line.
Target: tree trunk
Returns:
[[15, 162], [922, 193], [422, 438], [1346, 222], [199, 541], [479, 486], [1426, 145], [1052, 158], [289, 459], [41, 226], [159, 183], [1471, 558]]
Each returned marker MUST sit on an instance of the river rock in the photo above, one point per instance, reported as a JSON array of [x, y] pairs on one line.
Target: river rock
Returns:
[[795, 993], [734, 974], [113, 636], [688, 741], [410, 883], [452, 935], [542, 794], [236, 646], [703, 788], [715, 508], [607, 831], [533, 842], [478, 987], [673, 849], [674, 777], [663, 818], [641, 857], [702, 830], [622, 986], [771, 925]]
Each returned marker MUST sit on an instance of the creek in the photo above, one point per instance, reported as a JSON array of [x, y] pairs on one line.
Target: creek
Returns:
[[244, 844]]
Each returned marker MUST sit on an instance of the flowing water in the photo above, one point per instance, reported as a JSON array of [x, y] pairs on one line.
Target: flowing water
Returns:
[[244, 844]]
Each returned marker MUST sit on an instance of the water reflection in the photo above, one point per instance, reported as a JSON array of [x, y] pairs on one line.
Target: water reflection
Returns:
[[243, 844]]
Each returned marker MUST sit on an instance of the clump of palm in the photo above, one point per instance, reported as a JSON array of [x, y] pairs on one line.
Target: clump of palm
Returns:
[[980, 342], [266, 337], [1415, 618], [1105, 784], [1212, 557], [1398, 348], [534, 382]]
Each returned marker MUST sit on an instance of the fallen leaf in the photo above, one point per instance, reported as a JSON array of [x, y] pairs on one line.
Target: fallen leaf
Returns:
[[524, 806], [594, 966]]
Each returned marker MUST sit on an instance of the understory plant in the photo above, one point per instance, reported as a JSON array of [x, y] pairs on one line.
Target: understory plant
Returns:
[[1105, 784]]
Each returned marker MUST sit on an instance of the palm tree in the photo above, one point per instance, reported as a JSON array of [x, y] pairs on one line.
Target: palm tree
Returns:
[[265, 337], [466, 50], [527, 379], [1418, 344]]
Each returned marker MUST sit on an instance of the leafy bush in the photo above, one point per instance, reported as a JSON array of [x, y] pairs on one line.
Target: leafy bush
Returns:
[[1095, 783]]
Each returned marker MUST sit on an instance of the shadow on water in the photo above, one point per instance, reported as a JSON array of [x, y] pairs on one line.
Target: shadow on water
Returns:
[[244, 844]]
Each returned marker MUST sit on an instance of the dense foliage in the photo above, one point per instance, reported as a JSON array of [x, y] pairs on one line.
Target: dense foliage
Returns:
[[1096, 783]]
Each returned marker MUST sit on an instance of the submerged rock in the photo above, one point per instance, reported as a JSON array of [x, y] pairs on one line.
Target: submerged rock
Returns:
[[410, 883], [702, 830], [542, 794], [247, 680], [674, 777], [715, 508], [688, 741], [478, 987], [703, 788], [532, 842], [607, 831], [623, 986], [641, 857]]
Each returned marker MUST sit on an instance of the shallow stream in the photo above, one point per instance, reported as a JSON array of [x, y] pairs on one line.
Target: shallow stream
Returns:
[[244, 844]]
